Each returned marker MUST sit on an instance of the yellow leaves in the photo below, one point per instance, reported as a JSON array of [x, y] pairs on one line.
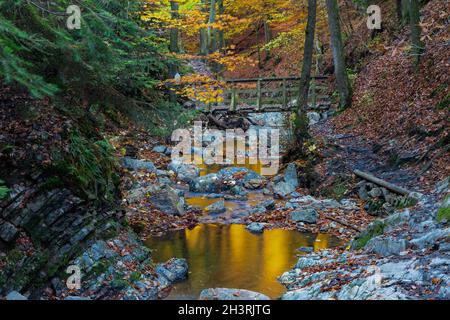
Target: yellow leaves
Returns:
[[198, 87]]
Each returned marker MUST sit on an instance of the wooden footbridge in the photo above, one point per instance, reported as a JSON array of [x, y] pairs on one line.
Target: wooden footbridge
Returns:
[[270, 95]]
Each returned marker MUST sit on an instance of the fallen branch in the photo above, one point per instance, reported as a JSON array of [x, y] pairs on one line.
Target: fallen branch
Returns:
[[343, 223], [430, 163], [383, 183]]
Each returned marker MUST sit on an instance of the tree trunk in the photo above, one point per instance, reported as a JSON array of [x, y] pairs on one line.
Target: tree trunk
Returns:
[[174, 33], [414, 21], [174, 45], [340, 71], [203, 34], [212, 47], [220, 33], [301, 124], [307, 56], [267, 38], [405, 11]]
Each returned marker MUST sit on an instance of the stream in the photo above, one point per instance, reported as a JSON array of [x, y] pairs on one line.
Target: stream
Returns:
[[222, 253]]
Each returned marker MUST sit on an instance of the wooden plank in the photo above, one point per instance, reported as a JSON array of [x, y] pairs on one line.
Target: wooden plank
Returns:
[[274, 79], [258, 95]]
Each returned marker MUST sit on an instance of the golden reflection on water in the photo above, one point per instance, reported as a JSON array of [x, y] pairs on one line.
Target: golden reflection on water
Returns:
[[230, 256]]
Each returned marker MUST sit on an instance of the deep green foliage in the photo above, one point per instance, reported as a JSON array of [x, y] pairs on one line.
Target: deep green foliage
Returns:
[[111, 54], [3, 190], [90, 165]]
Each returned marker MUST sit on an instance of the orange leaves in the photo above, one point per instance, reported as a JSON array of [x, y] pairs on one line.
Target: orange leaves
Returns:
[[198, 87]]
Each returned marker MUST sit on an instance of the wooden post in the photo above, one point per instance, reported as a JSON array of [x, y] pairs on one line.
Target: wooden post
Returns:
[[259, 95], [285, 102], [233, 99]]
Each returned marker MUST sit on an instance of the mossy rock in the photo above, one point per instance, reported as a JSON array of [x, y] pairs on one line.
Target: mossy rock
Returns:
[[443, 213], [376, 228]]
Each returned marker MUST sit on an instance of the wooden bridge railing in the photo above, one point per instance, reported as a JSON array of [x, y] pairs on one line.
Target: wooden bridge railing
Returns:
[[270, 94]]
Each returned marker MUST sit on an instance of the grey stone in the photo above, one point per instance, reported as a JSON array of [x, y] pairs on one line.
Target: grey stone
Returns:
[[216, 208], [269, 204], [290, 175], [231, 294], [304, 215], [313, 117], [174, 270], [442, 186], [8, 232], [77, 298], [282, 189], [185, 172], [375, 193], [14, 295], [160, 149], [169, 201], [256, 227], [209, 183], [386, 246], [135, 164], [430, 238]]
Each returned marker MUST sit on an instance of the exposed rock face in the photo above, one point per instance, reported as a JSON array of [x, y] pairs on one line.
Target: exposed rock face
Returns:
[[231, 294], [53, 226], [121, 268], [404, 256]]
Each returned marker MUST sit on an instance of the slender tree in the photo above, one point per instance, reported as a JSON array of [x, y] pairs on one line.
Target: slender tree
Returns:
[[174, 44], [203, 33], [212, 46], [302, 120], [414, 21], [340, 71], [308, 50], [220, 33], [174, 32]]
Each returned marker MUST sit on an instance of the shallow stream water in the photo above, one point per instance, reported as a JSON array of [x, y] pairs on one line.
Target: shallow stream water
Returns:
[[229, 256]]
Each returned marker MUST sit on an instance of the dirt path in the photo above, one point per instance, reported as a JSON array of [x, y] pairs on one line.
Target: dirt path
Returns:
[[354, 152]]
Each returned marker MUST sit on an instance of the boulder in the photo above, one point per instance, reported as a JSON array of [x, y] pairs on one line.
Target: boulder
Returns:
[[304, 215], [77, 298], [313, 117], [207, 184], [255, 227], [242, 176], [8, 232], [269, 204], [174, 270], [168, 200], [185, 172], [282, 189], [231, 294], [216, 208], [160, 149], [290, 175], [135, 164], [14, 295]]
